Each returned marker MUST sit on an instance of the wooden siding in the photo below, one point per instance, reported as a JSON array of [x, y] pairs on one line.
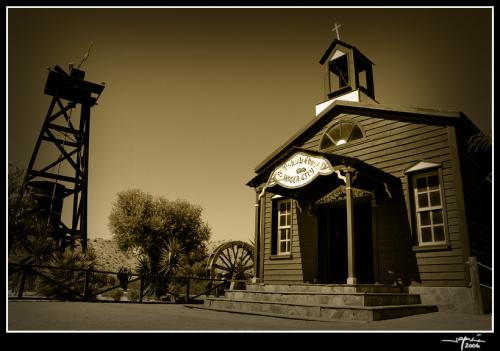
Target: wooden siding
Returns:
[[282, 270], [394, 146], [396, 258], [391, 146], [308, 237]]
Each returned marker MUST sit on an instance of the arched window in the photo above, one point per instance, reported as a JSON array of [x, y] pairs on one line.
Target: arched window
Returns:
[[341, 133]]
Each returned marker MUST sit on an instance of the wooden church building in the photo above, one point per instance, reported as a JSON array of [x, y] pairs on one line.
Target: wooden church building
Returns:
[[367, 193]]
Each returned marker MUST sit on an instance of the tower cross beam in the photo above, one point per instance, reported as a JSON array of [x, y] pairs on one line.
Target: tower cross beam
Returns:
[[336, 29]]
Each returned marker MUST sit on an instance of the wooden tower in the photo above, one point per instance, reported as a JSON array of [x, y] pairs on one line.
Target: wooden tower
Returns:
[[70, 137]]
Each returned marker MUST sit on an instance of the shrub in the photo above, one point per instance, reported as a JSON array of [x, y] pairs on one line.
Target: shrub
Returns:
[[116, 294], [101, 281], [133, 295]]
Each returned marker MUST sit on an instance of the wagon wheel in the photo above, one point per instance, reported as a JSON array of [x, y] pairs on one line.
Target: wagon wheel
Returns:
[[232, 260]]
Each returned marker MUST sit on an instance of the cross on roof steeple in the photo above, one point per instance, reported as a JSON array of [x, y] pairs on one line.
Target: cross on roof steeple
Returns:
[[336, 29]]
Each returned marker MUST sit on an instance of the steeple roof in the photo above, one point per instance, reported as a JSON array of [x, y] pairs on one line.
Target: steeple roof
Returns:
[[334, 43]]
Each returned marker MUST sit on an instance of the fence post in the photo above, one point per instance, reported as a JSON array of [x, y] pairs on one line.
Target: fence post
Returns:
[[23, 282], [476, 286], [87, 282], [141, 289], [187, 289]]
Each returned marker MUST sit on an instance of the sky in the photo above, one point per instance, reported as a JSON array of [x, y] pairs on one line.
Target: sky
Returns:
[[195, 98]]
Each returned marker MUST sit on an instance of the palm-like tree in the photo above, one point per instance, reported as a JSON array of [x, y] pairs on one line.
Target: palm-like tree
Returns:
[[480, 142]]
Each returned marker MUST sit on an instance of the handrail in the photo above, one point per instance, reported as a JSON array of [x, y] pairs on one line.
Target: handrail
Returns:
[[481, 301], [485, 266]]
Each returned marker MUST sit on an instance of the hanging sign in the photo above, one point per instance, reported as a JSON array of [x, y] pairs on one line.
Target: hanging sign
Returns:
[[299, 170]]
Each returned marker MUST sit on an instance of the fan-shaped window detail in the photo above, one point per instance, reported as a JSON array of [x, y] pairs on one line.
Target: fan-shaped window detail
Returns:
[[341, 133]]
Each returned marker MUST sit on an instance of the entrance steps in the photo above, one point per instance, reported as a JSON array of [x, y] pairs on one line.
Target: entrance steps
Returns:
[[363, 303]]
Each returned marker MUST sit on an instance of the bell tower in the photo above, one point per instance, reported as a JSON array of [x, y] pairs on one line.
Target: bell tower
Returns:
[[348, 75]]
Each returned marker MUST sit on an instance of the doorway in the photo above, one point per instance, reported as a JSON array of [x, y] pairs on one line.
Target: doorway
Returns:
[[332, 243]]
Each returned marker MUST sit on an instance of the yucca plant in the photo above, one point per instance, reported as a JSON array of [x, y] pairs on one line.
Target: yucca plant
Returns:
[[63, 283], [172, 261], [171, 258], [38, 248], [21, 219], [143, 268], [153, 284]]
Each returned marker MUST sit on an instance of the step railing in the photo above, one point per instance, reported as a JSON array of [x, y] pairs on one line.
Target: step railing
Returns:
[[482, 300], [487, 268]]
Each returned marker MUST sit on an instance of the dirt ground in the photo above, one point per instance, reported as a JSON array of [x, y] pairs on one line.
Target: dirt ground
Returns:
[[116, 317]]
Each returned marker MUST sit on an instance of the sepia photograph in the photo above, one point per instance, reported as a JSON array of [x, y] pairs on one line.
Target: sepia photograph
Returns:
[[250, 169]]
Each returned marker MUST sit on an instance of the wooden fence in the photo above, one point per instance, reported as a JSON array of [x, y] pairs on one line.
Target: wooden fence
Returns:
[[24, 271]]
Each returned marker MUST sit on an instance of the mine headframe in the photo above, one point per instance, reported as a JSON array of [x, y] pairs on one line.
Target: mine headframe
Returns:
[[61, 177]]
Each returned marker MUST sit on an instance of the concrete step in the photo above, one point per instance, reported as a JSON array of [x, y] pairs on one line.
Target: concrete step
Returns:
[[323, 298], [327, 288], [317, 311]]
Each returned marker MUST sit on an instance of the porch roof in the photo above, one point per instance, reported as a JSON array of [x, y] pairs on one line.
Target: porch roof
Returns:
[[368, 178]]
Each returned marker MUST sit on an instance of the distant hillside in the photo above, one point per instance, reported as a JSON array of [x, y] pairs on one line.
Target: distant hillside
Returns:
[[109, 257]]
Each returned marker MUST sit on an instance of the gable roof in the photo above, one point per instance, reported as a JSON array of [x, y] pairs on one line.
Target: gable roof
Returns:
[[332, 46], [430, 116]]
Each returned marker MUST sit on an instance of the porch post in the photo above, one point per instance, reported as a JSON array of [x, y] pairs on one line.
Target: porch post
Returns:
[[376, 273], [256, 253], [351, 278]]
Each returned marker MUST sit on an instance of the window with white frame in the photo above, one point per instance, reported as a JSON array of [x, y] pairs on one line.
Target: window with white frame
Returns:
[[429, 208], [284, 229]]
